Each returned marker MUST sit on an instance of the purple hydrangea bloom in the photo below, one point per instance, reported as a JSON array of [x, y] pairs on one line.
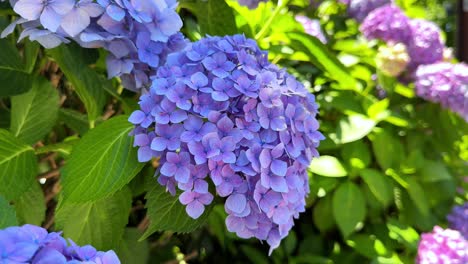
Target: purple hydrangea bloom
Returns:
[[442, 246], [425, 45], [359, 9], [312, 27], [138, 34], [444, 83], [387, 23], [251, 4], [458, 219], [33, 244], [249, 127]]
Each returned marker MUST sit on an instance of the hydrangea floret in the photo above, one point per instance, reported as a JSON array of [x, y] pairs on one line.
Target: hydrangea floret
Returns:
[[458, 219], [251, 4], [312, 27], [219, 112], [359, 9], [33, 244], [137, 34], [442, 246], [392, 59]]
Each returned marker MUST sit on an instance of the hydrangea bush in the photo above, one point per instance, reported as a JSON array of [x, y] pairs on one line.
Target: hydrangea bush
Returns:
[[171, 131]]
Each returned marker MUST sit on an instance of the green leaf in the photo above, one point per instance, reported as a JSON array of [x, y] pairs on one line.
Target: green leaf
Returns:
[[323, 214], [13, 75], [74, 120], [18, 166], [215, 17], [31, 206], [388, 149], [100, 223], [378, 110], [132, 251], [31, 50], [379, 185], [367, 245], [64, 147], [33, 114], [101, 163], [356, 154], [349, 207], [86, 82], [7, 214], [254, 254], [433, 171], [418, 196], [352, 128], [403, 233], [166, 213], [327, 166], [321, 57]]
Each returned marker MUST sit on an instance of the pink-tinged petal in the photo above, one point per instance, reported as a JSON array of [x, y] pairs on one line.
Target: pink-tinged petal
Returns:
[[29, 9], [234, 223], [236, 203], [168, 169], [182, 175], [50, 19], [62, 7], [93, 9], [200, 186], [186, 198], [281, 215], [205, 198], [278, 184], [265, 158], [75, 22], [195, 209], [172, 157]]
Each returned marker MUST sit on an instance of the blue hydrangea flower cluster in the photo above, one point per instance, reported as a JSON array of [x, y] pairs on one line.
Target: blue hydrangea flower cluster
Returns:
[[359, 9], [220, 111], [444, 83], [442, 246], [33, 244], [312, 27], [137, 34], [426, 45], [458, 219], [251, 4]]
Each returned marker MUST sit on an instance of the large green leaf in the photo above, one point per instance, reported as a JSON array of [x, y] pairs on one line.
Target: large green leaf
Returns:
[[327, 166], [7, 214], [323, 214], [13, 74], [86, 82], [433, 171], [418, 196], [33, 114], [166, 213], [74, 120], [388, 149], [356, 154], [215, 17], [100, 223], [403, 233], [31, 207], [321, 57], [101, 163], [352, 128], [349, 207], [378, 184], [18, 166], [131, 250], [367, 245]]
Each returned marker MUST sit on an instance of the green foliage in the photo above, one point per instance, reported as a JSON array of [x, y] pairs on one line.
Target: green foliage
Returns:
[[214, 17], [349, 207], [30, 206], [328, 166], [14, 75], [7, 214]]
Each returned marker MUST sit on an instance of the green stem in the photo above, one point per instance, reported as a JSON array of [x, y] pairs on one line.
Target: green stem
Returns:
[[266, 27]]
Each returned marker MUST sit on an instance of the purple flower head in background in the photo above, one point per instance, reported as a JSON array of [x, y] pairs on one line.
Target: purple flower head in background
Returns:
[[33, 244], [425, 45], [444, 83], [312, 27], [387, 23], [359, 9], [235, 119], [251, 4], [458, 219], [137, 34], [442, 246]]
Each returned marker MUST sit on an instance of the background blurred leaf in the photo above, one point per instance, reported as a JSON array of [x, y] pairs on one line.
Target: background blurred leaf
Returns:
[[100, 223], [13, 73], [379, 184], [88, 176], [352, 128], [7, 214], [215, 17], [130, 250], [31, 206], [33, 114], [433, 171], [349, 207], [388, 150], [18, 166], [323, 214], [327, 166]]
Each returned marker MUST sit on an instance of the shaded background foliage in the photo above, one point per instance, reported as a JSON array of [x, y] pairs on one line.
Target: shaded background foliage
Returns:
[[392, 165]]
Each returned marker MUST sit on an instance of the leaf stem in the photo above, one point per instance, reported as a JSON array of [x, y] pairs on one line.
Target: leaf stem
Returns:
[[266, 27]]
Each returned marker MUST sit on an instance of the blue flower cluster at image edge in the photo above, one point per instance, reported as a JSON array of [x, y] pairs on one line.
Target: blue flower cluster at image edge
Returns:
[[137, 34], [33, 244], [219, 111]]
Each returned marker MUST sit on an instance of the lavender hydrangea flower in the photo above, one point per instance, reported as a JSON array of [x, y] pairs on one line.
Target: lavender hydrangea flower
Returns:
[[137, 34], [442, 246], [312, 27], [359, 9], [33, 244], [248, 126], [458, 219], [425, 45], [444, 83], [387, 23], [251, 4]]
